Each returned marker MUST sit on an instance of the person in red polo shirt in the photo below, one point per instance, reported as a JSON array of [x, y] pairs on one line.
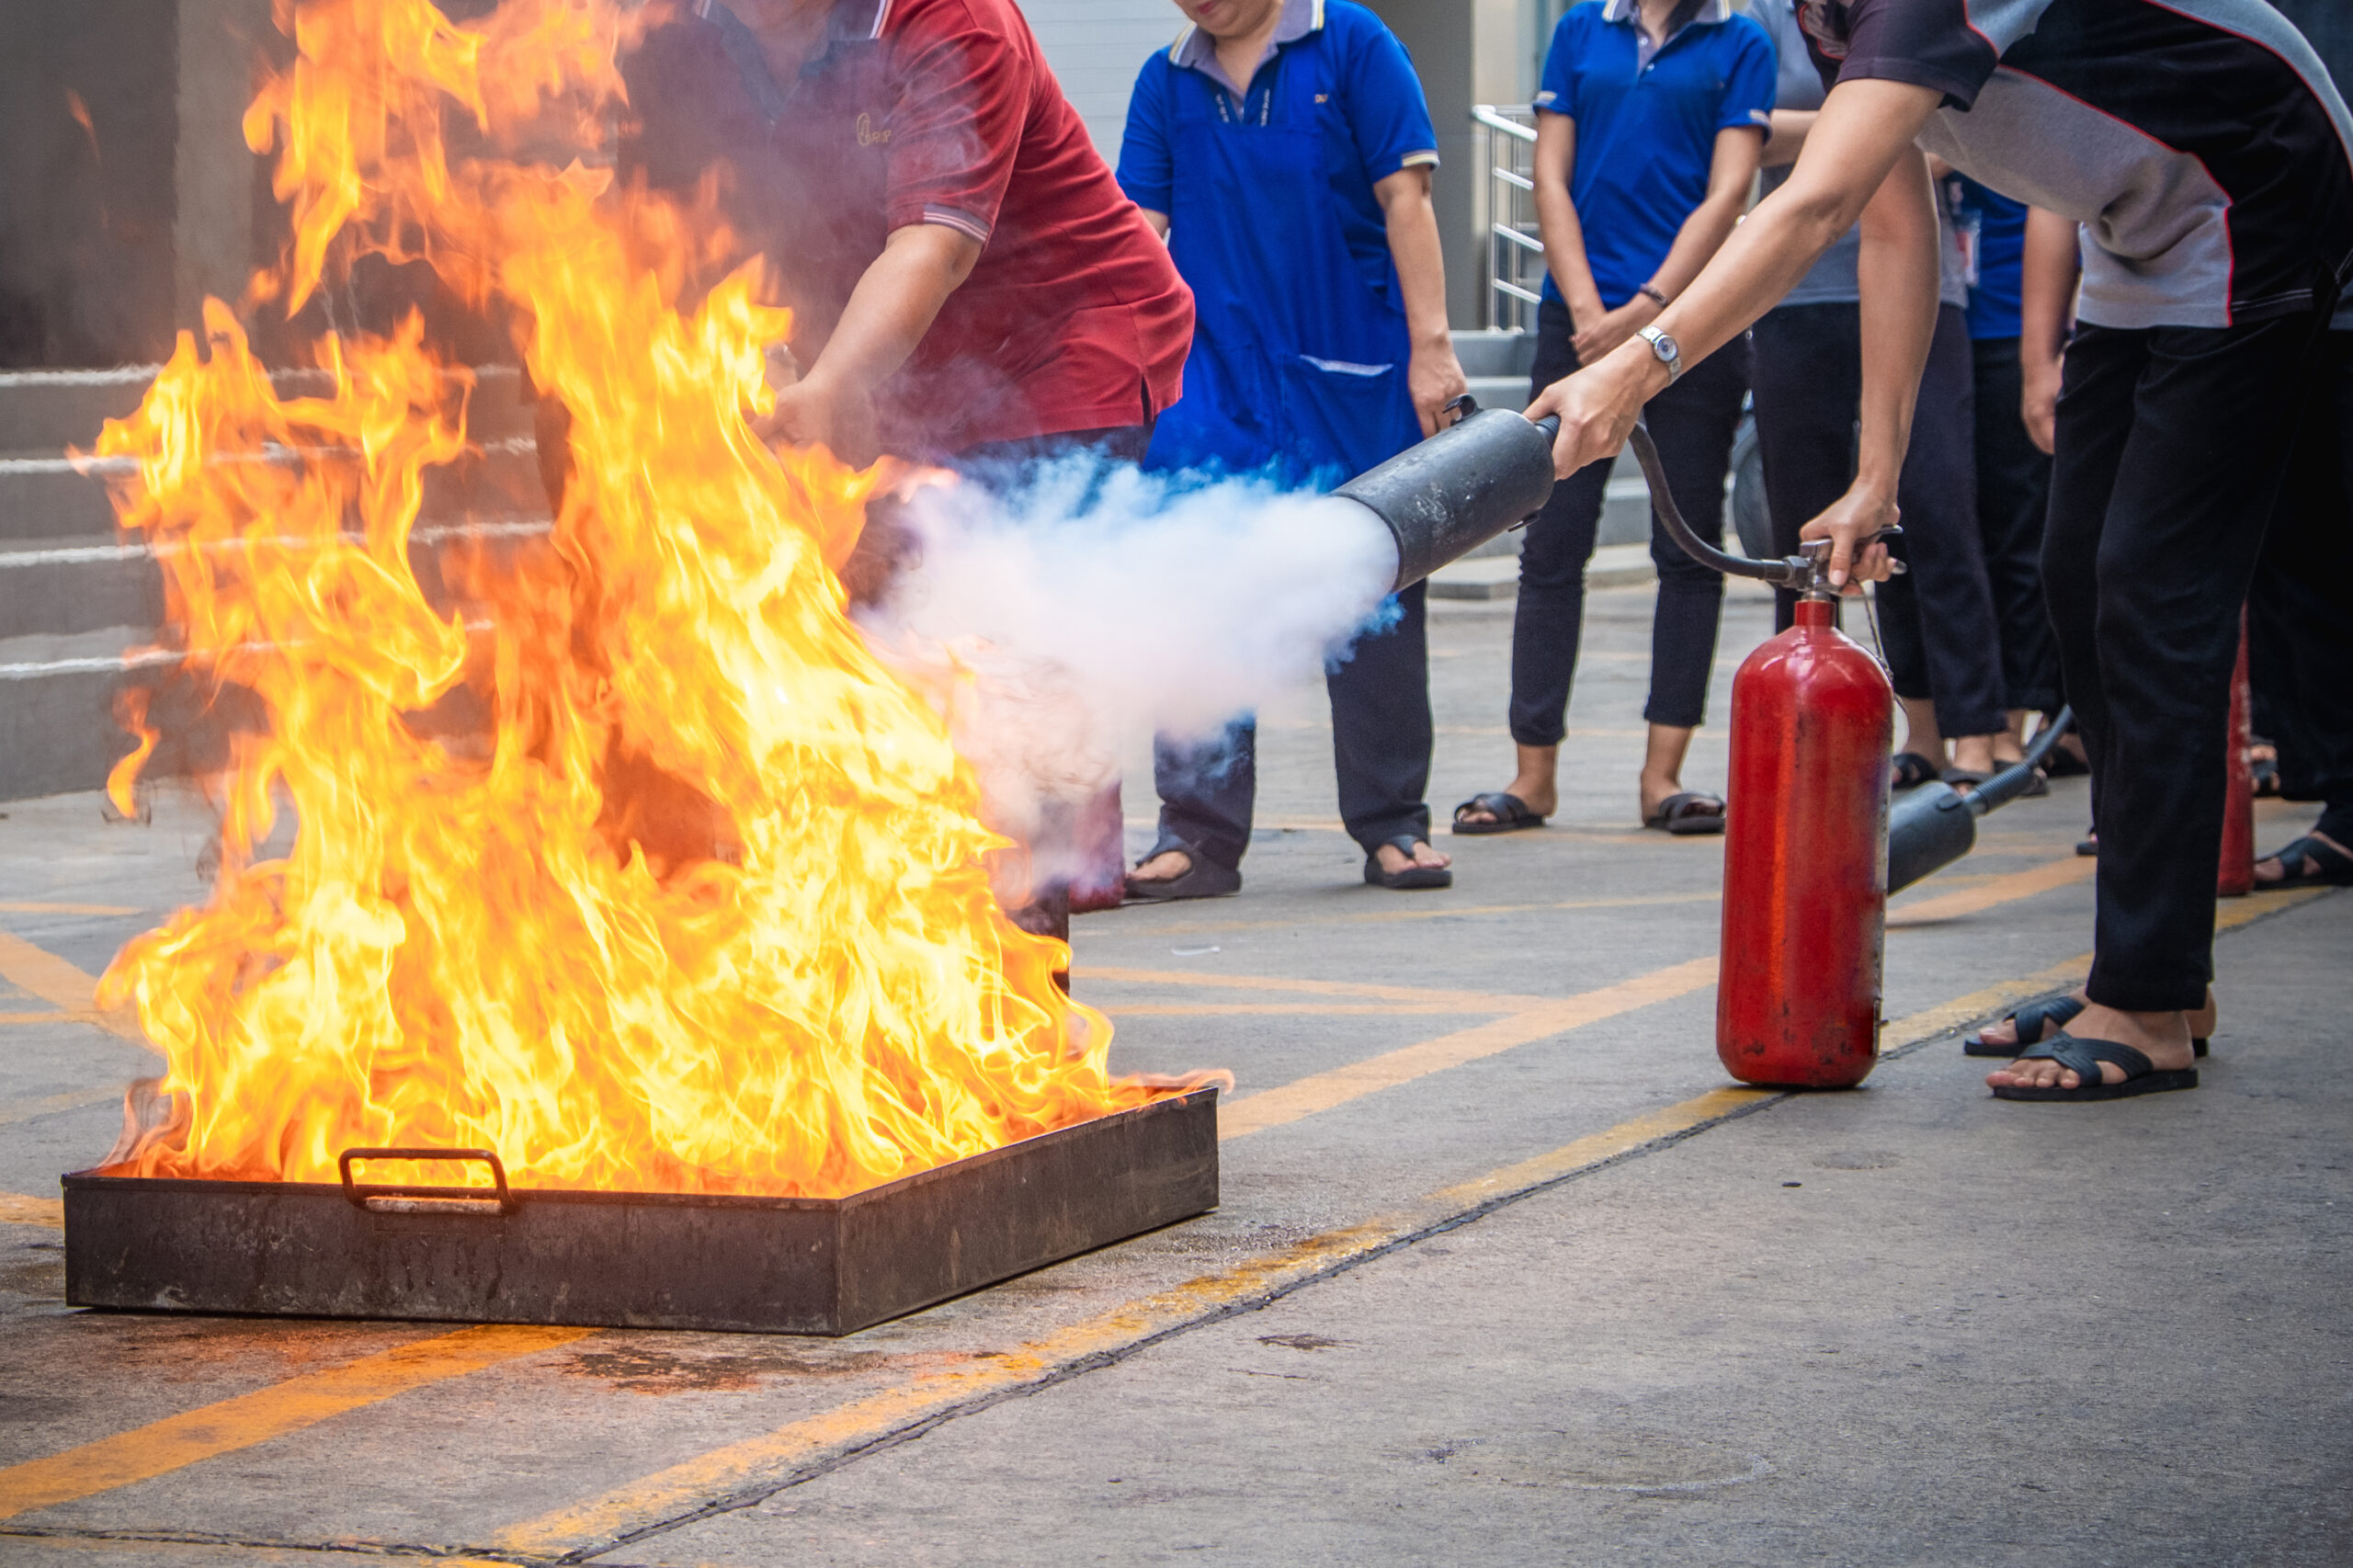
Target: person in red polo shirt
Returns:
[[967, 278]]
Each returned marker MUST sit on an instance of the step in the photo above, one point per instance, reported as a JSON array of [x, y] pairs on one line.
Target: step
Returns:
[[48, 410], [58, 587], [46, 495]]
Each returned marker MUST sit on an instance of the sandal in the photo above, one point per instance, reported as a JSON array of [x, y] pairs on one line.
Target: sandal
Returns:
[[1509, 811], [2088, 847], [2316, 866], [2083, 1057], [2033, 1018], [1910, 770], [1412, 876], [2265, 770], [1688, 813], [1202, 879], [1964, 778]]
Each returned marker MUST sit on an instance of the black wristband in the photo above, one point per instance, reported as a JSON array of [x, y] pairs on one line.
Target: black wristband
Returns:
[[1651, 293]]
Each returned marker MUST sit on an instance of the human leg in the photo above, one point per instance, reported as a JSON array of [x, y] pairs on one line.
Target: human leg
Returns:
[[1807, 370], [1382, 736], [2170, 443], [2013, 495], [1693, 422], [1549, 616], [1207, 788]]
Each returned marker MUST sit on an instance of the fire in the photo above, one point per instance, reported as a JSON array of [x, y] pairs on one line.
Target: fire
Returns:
[[707, 908]]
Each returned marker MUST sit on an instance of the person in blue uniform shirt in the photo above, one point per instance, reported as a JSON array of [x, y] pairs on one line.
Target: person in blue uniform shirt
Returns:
[[1649, 125], [1285, 150]]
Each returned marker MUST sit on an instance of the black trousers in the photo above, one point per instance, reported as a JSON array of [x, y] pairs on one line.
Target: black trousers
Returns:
[[1936, 622], [2171, 441], [2300, 638], [2013, 498], [1693, 422], [1381, 747]]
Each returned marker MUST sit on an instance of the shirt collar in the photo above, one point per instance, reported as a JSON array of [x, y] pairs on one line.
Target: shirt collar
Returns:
[[1196, 51], [1708, 11]]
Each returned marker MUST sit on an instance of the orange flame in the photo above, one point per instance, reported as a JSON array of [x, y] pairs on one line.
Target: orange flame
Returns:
[[709, 908]]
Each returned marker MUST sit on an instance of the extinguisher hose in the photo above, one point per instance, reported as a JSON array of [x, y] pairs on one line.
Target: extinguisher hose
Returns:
[[2019, 778], [1791, 572]]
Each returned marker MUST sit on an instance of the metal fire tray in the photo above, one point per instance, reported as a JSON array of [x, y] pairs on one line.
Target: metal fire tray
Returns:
[[636, 1259]]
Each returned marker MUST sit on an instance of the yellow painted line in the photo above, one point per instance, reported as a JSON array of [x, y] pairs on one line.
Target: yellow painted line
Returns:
[[15, 1209], [1309, 1009], [1322, 1091], [1998, 891], [54, 1016], [1423, 911], [1469, 1001], [178, 1441], [16, 1111], [586, 1528], [50, 978], [22, 908]]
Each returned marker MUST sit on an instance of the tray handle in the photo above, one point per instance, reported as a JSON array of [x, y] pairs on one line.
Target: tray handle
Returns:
[[379, 1198]]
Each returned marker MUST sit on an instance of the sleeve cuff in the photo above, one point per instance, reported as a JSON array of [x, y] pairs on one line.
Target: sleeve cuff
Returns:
[[1959, 92], [1425, 159], [952, 218], [1753, 119]]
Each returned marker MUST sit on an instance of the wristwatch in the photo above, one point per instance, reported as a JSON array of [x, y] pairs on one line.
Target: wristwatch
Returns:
[[1665, 348]]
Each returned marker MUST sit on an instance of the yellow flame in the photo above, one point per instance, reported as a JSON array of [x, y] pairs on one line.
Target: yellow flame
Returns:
[[707, 908]]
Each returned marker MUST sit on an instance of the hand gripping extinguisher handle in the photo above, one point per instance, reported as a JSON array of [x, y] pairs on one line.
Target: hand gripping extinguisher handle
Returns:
[[1806, 572]]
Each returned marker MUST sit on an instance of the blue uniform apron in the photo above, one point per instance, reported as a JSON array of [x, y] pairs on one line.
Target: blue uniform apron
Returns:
[[1297, 362]]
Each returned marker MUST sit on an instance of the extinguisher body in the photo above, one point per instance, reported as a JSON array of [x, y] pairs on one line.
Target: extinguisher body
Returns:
[[2235, 878], [1805, 859]]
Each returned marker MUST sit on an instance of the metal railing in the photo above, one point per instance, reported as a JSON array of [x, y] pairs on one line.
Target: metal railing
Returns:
[[1514, 246]]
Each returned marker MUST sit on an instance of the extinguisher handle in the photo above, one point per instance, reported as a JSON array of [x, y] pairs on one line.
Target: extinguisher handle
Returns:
[[1807, 572]]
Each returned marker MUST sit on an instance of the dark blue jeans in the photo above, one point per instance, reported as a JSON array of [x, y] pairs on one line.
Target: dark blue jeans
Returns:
[[1693, 422], [1381, 747]]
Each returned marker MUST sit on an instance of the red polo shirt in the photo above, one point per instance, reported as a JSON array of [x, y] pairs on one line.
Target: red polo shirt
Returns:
[[929, 111]]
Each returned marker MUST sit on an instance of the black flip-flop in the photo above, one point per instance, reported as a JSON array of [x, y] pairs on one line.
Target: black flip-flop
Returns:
[[2083, 1058], [1509, 811], [2030, 1021], [2033, 1018], [1964, 778], [1688, 813], [1909, 770], [1203, 878], [2316, 866], [1412, 876], [2087, 846]]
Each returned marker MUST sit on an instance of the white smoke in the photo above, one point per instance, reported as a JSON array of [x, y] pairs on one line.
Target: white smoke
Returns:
[[1096, 605]]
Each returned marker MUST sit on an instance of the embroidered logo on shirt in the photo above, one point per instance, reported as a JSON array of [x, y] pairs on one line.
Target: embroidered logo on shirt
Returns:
[[1323, 97], [867, 136]]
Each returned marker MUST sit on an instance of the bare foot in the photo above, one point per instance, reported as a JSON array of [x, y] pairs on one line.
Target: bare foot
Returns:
[[1164, 867], [2162, 1038], [2271, 870], [1532, 784], [1393, 859], [1975, 754], [2202, 1024]]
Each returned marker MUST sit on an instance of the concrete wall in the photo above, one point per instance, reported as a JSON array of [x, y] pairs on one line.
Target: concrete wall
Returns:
[[1096, 48], [111, 231]]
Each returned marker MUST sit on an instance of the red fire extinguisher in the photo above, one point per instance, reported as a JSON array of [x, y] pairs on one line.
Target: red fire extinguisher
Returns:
[[1805, 846], [2235, 878]]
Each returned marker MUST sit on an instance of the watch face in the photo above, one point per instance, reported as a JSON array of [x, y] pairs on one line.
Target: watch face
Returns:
[[1665, 346]]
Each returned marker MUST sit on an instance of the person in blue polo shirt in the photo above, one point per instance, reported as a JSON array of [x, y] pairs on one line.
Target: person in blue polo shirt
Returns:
[[1284, 148], [1649, 127]]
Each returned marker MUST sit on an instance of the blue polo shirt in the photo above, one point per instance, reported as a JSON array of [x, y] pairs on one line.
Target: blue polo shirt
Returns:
[[1378, 124], [1992, 238], [1646, 126]]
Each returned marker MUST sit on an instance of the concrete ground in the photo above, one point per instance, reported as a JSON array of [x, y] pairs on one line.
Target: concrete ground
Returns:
[[1505, 1270]]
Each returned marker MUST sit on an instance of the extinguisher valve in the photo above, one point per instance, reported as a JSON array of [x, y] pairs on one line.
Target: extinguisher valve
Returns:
[[1806, 574]]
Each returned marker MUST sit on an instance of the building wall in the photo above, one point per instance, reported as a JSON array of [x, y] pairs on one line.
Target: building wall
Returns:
[[1096, 48]]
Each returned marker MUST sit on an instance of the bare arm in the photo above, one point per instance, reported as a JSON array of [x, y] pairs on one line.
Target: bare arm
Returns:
[[1159, 221], [888, 313], [1433, 374], [1788, 140], [2046, 305], [1857, 137], [1556, 218]]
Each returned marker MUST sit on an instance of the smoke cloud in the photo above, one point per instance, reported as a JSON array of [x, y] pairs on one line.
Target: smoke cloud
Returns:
[[1091, 605]]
